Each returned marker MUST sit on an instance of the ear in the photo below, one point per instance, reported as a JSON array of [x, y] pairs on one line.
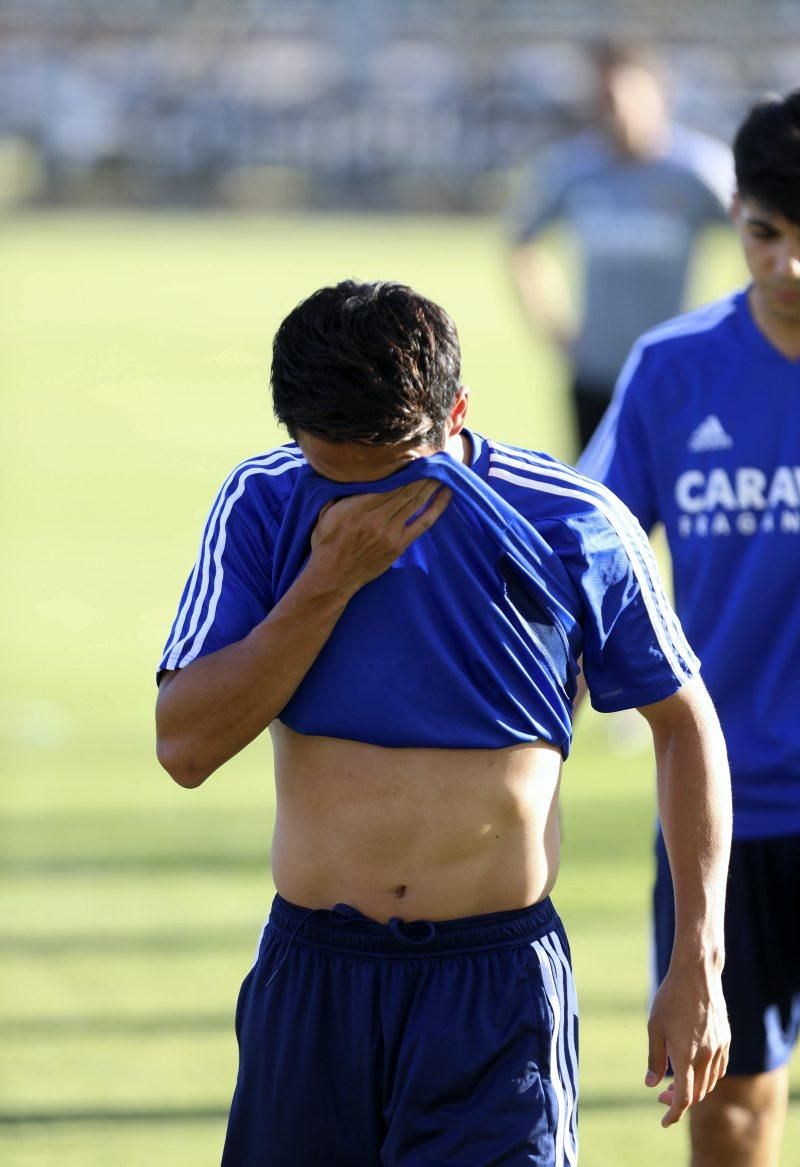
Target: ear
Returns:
[[458, 412]]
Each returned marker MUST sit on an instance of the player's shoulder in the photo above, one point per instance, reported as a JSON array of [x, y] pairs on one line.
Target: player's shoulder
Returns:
[[586, 152], [264, 481], [570, 159], [704, 156], [665, 365], [565, 505], [685, 336]]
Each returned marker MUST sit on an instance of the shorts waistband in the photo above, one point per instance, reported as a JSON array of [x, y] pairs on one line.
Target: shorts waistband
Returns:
[[343, 929]]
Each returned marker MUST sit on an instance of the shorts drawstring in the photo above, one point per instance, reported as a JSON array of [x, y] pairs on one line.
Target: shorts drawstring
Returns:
[[304, 920], [412, 932], [345, 914], [395, 924]]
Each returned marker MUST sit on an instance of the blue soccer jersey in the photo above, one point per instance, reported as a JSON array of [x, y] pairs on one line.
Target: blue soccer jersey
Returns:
[[703, 435], [471, 639]]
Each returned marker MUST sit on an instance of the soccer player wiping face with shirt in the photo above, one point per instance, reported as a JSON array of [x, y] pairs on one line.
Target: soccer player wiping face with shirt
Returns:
[[403, 602]]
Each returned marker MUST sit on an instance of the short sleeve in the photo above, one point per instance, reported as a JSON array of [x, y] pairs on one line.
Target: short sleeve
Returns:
[[711, 161], [540, 201], [634, 650], [229, 590], [619, 454], [534, 210], [548, 183]]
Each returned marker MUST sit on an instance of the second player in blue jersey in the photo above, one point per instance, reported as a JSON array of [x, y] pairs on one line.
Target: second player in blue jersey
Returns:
[[704, 435]]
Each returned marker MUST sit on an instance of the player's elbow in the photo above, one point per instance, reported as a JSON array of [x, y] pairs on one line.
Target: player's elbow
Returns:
[[180, 764]]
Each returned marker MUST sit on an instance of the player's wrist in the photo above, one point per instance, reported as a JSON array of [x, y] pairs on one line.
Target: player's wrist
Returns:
[[325, 584], [699, 955]]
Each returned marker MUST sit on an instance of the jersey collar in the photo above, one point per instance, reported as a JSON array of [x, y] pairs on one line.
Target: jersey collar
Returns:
[[479, 454]]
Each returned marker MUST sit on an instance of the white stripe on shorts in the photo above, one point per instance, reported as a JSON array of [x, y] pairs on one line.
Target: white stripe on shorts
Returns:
[[557, 981]]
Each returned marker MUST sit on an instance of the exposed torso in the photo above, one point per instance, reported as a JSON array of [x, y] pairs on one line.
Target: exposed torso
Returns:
[[414, 833]]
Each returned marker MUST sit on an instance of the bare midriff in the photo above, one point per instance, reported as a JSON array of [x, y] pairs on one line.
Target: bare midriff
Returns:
[[420, 834]]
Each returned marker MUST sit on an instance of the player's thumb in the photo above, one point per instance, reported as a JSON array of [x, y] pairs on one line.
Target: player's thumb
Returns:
[[656, 1058]]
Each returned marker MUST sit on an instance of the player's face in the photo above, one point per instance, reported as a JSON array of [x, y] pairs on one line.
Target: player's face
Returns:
[[358, 461], [634, 106], [362, 462], [771, 246]]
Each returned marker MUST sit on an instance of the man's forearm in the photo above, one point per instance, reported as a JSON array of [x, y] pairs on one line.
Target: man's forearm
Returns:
[[694, 801], [544, 293], [215, 706], [688, 1023]]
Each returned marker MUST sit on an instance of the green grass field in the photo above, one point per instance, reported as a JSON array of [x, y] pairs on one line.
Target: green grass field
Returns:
[[134, 360]]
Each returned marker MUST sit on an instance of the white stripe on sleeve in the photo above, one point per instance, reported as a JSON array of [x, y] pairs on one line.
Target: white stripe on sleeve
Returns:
[[662, 618], [638, 542], [210, 552], [598, 455]]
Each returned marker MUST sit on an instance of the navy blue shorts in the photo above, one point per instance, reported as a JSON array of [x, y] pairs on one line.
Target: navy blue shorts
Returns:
[[761, 979], [406, 1045]]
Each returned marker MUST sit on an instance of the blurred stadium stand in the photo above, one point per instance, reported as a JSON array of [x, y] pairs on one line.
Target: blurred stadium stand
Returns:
[[413, 104]]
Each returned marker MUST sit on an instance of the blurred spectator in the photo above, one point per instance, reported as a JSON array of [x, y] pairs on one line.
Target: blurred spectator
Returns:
[[635, 190]]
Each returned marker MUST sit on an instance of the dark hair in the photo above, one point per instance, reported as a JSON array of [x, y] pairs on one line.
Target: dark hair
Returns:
[[366, 363], [766, 153], [606, 56]]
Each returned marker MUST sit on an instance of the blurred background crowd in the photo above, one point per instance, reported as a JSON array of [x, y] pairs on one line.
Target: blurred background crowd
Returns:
[[381, 104]]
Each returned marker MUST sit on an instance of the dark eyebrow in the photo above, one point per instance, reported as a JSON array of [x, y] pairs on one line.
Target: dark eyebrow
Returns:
[[754, 221]]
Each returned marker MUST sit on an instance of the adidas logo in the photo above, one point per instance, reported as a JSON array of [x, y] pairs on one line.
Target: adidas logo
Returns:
[[709, 435]]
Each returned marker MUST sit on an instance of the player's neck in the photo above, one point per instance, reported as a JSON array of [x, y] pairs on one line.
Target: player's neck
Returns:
[[782, 332], [459, 447]]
